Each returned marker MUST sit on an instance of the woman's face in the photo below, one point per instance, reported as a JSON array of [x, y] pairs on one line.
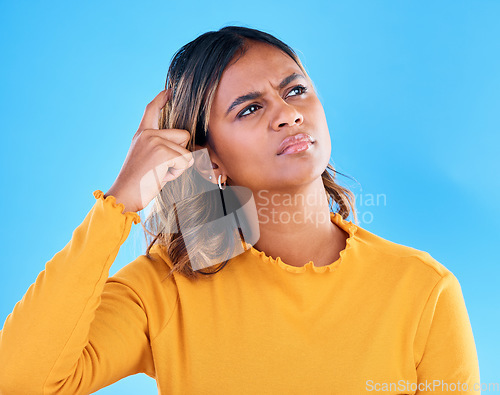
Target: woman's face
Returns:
[[247, 133]]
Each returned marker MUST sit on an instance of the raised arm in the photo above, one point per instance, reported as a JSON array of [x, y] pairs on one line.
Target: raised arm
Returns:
[[75, 330], [66, 334]]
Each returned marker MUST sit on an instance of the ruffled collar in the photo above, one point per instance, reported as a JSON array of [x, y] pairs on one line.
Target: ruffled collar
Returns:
[[337, 219]]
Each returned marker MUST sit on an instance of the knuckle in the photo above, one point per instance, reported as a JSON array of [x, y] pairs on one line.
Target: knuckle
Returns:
[[156, 140]]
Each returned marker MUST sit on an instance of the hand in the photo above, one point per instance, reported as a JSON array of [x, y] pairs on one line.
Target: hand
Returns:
[[155, 157]]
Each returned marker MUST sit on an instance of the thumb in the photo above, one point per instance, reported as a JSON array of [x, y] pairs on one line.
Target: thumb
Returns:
[[153, 109]]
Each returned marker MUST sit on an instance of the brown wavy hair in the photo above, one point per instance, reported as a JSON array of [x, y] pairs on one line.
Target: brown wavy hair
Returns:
[[194, 74]]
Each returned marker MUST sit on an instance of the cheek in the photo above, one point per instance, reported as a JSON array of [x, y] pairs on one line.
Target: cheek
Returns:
[[232, 152], [244, 152], [244, 159], [317, 109], [243, 140]]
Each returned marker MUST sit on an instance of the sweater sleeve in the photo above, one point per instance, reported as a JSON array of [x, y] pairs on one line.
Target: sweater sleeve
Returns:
[[73, 332], [448, 362]]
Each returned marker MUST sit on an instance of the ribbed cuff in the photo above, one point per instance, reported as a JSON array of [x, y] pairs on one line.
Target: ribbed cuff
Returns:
[[111, 200]]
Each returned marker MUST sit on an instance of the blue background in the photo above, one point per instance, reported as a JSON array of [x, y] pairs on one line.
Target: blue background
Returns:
[[411, 91]]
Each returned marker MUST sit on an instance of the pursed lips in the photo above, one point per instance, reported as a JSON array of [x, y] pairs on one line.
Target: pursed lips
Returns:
[[295, 139]]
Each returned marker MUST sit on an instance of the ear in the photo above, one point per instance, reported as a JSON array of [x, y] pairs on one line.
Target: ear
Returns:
[[208, 163]]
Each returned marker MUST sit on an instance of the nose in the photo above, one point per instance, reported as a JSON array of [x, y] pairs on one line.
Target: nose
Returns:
[[286, 114]]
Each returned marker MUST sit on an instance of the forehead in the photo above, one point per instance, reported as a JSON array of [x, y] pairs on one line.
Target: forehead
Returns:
[[258, 57], [261, 64]]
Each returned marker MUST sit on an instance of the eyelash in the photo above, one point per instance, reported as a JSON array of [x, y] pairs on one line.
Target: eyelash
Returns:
[[303, 90]]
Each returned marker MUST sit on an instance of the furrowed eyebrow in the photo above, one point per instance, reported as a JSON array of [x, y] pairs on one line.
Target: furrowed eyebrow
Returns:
[[255, 95]]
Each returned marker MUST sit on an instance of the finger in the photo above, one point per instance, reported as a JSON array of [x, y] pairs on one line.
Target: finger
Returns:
[[153, 109], [172, 174], [180, 162], [178, 136], [176, 166], [181, 151]]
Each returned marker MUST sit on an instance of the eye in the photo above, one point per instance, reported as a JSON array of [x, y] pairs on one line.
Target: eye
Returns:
[[242, 114], [301, 89]]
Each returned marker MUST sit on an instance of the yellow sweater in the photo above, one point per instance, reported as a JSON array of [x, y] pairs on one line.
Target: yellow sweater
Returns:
[[383, 316]]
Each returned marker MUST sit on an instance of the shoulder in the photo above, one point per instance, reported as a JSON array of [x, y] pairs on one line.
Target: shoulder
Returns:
[[404, 275], [399, 259], [146, 270]]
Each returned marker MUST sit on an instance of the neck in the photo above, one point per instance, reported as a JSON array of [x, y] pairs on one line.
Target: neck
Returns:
[[296, 225]]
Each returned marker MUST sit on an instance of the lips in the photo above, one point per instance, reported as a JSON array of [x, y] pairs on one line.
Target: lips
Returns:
[[291, 140]]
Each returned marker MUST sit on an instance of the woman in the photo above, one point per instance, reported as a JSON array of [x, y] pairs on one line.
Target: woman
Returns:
[[315, 306]]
